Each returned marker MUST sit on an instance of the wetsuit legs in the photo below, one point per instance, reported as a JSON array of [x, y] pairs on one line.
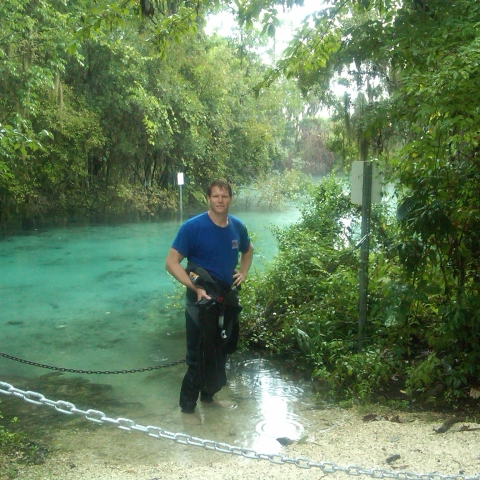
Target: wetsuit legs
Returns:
[[198, 378], [191, 384]]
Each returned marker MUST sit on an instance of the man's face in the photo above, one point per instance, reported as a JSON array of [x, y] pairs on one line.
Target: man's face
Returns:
[[219, 200]]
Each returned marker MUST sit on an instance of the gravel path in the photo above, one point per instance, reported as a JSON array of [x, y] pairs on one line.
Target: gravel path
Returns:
[[392, 441]]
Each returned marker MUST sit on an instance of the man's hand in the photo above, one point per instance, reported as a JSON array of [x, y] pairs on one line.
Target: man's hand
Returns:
[[245, 261], [172, 264], [201, 293], [238, 278]]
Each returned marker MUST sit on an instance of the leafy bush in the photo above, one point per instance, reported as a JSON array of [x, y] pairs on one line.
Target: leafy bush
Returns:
[[275, 189], [146, 201], [307, 298], [421, 340]]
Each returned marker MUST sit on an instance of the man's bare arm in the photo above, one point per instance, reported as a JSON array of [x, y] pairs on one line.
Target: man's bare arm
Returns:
[[245, 262], [172, 264]]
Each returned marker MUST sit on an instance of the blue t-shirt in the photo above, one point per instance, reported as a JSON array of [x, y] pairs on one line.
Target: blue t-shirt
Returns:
[[211, 247]]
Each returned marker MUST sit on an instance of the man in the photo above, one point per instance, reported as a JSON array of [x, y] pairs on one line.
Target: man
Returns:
[[211, 242]]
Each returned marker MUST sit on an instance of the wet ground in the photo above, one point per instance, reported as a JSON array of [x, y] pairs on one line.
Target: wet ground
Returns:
[[266, 408]]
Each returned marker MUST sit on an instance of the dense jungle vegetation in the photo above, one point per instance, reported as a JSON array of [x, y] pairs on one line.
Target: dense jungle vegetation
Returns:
[[103, 102]]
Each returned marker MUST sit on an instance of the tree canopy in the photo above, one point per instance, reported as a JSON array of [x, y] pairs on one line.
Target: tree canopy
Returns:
[[103, 103]]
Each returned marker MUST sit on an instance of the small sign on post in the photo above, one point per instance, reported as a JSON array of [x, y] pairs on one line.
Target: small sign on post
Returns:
[[366, 188], [180, 182], [356, 181]]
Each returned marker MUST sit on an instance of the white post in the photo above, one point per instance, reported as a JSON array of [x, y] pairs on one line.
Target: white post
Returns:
[[180, 182]]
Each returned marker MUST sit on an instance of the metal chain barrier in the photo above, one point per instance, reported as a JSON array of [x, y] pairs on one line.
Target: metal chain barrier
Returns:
[[97, 416], [95, 372]]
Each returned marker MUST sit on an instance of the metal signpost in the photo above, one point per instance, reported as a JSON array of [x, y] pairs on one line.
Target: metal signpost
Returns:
[[180, 182], [365, 190]]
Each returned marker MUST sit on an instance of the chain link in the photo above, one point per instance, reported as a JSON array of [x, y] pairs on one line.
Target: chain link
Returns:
[[97, 416], [90, 372]]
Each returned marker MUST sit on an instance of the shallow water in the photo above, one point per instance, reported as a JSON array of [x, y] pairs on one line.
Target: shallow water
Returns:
[[98, 298]]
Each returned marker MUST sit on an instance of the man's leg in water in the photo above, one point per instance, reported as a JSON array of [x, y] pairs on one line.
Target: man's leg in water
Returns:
[[191, 381]]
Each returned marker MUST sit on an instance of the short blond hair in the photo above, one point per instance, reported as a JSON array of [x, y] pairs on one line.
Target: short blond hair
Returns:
[[221, 184]]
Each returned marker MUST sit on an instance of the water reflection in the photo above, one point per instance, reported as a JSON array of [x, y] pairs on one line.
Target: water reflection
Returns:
[[275, 397], [260, 373]]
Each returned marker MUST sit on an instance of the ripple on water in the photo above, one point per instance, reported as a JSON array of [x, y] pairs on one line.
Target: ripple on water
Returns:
[[259, 377], [287, 427], [275, 430], [272, 397], [257, 365], [287, 391]]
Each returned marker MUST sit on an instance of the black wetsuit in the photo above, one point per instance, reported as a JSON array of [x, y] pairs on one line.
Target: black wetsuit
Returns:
[[208, 343]]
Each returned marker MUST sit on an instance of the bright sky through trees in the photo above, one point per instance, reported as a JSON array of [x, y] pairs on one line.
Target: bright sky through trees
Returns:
[[223, 23]]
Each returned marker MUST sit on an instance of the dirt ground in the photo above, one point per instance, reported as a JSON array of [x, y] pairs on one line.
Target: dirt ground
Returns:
[[391, 441]]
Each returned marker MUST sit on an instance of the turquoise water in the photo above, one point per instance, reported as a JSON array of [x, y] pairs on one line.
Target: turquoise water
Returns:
[[99, 298]]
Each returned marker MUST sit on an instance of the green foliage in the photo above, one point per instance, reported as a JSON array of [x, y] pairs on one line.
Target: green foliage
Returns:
[[15, 449], [276, 189], [145, 201], [359, 376], [102, 107], [316, 154], [415, 71], [423, 374], [304, 306], [294, 306]]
